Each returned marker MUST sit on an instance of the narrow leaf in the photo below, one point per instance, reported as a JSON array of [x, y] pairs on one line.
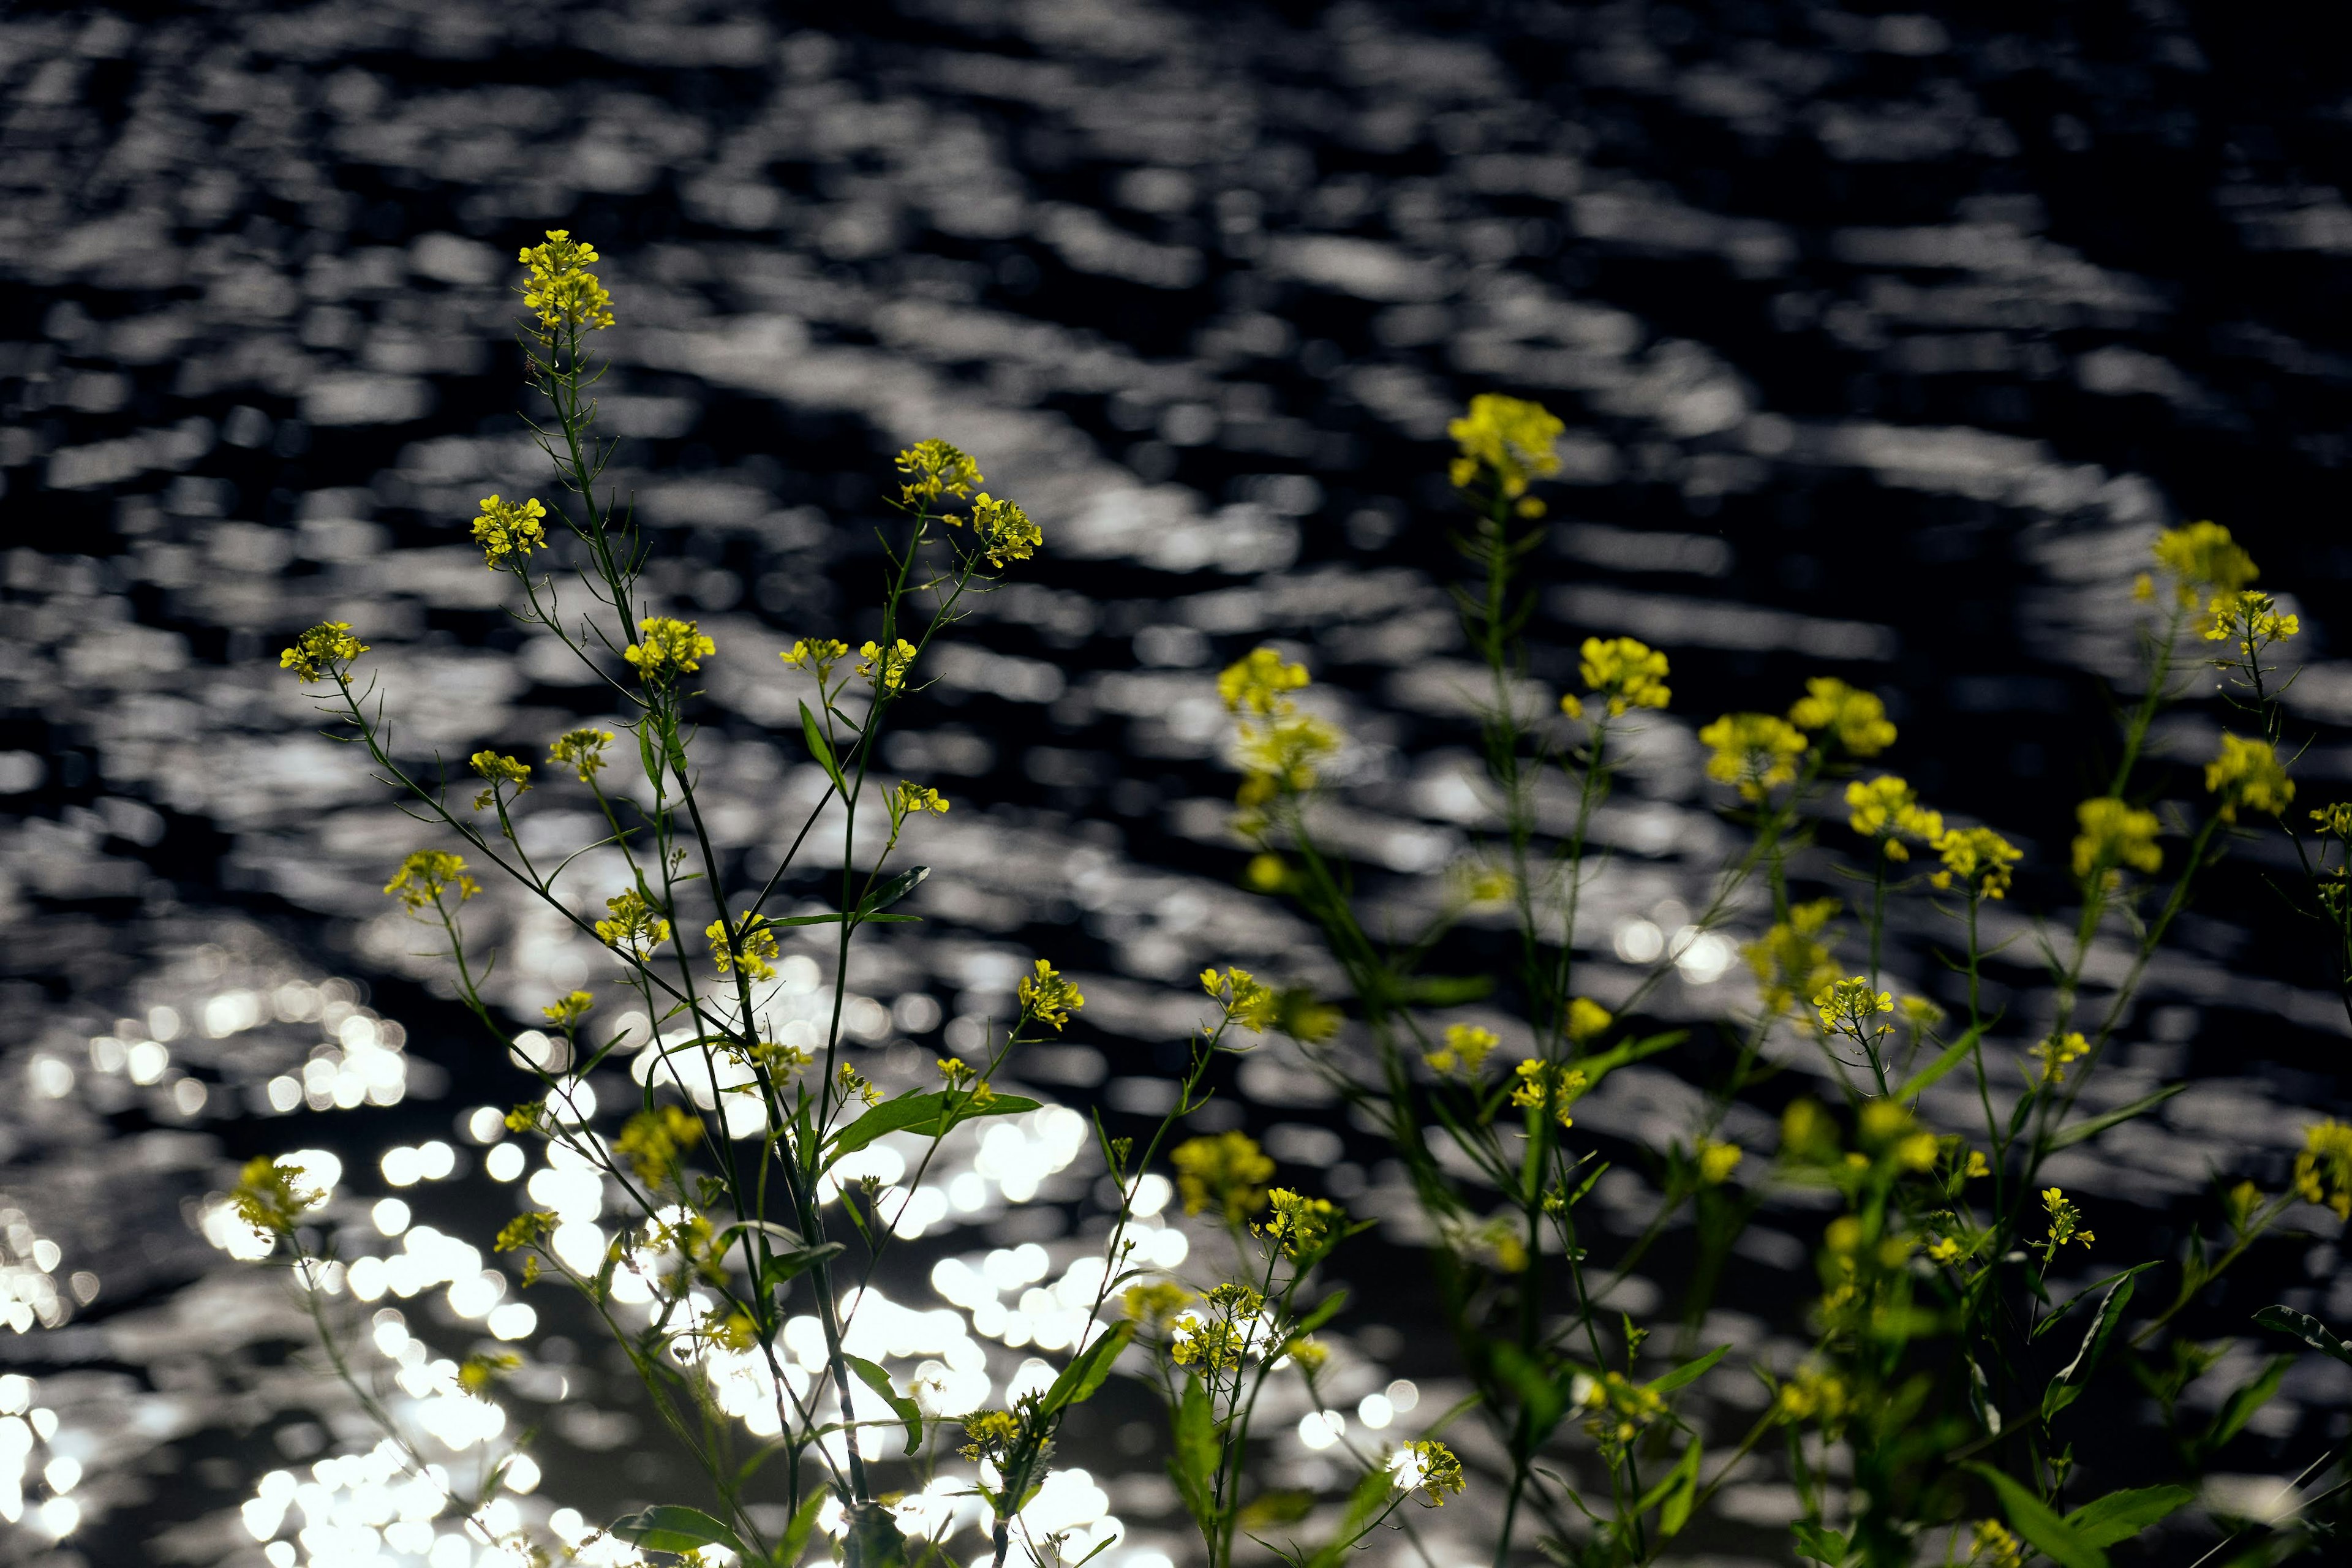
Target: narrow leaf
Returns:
[[1953, 1056], [907, 1411], [2067, 1137], [796, 1534], [1821, 1545], [2307, 1329], [2058, 1315], [2067, 1386], [2032, 1519], [1372, 1498], [1672, 1497], [669, 1527], [2240, 1407], [1194, 1461], [1088, 1370], [820, 748], [1325, 1311], [2119, 1516], [891, 891], [926, 1114], [1689, 1372]]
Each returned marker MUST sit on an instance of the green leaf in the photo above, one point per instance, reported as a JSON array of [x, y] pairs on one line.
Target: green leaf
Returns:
[[1672, 1496], [2056, 1539], [2059, 1314], [1541, 1395], [874, 1540], [1373, 1496], [1689, 1372], [796, 1534], [1953, 1056], [2307, 1329], [1442, 990], [874, 1378], [891, 891], [926, 1113], [671, 1528], [2067, 1137], [1325, 1311], [1272, 1508], [784, 1268], [2119, 1516], [820, 748], [2240, 1407], [2067, 1386], [1195, 1463], [1087, 1369], [1821, 1545]]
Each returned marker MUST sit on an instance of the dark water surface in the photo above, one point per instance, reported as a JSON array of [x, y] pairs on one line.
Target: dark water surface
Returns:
[[1886, 340]]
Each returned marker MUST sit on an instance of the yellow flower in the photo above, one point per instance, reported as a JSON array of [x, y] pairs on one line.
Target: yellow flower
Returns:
[[1247, 1001], [1807, 1136], [933, 470], [1978, 1167], [581, 750], [1789, 960], [1258, 682], [1980, 857], [1427, 1467], [1266, 873], [1514, 440], [2251, 618], [654, 1142], [1718, 1161], [1300, 1224], [992, 1434], [2335, 818], [1944, 1249], [910, 798], [1150, 1306], [2248, 772], [2203, 556], [428, 874], [1815, 1395], [327, 648], [524, 1230], [1227, 1172], [1753, 751], [1992, 1546], [1885, 809], [1920, 1013], [1624, 673], [566, 1011], [750, 944], [498, 770], [2065, 1223], [815, 654], [2113, 834], [1309, 1354], [668, 648], [636, 929], [1466, 1048], [2055, 1053], [1851, 1007], [1587, 1019], [271, 1197], [1856, 719], [1622, 1409], [561, 289], [1002, 531], [887, 667], [1548, 1086], [1280, 757], [507, 532], [854, 1086], [1049, 997], [2322, 1172]]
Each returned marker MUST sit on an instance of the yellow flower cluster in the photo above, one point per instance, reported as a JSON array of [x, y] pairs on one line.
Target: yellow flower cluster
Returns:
[[426, 874], [654, 1142], [1048, 997], [1978, 859], [2322, 1172], [2248, 774], [855, 1086], [1622, 1409], [1888, 1130], [1587, 1020], [992, 1434], [1259, 682], [636, 928], [2065, 1225], [1150, 1306], [1991, 1545], [507, 532], [2202, 556], [2115, 834], [1856, 719], [1466, 1049], [2251, 616], [1548, 1086], [561, 292], [499, 771], [1210, 1344], [581, 750], [1227, 1172], [1851, 1007], [668, 647], [1886, 809], [750, 944], [1427, 1467], [1789, 958], [327, 648], [271, 1197], [1815, 1397], [2055, 1053], [1279, 746], [1716, 1161], [1247, 1001], [1511, 439], [1002, 531], [1301, 1225], [815, 654], [1754, 752], [935, 469], [1623, 673], [566, 1011], [910, 798], [887, 667]]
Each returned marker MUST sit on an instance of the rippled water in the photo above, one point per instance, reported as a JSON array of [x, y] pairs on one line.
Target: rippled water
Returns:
[[1885, 341]]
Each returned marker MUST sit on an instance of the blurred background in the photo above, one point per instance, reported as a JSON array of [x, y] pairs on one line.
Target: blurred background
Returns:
[[1885, 339]]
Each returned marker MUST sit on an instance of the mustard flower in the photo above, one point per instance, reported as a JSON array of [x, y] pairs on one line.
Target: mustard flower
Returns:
[[1280, 757], [2203, 556], [992, 1434], [507, 532], [2115, 834], [1885, 809], [815, 654], [1857, 719], [1977, 858], [1587, 1020], [1887, 1128], [2322, 1172], [1207, 1345], [1919, 1013], [854, 1086], [1427, 1467], [1048, 997], [668, 648], [910, 798], [1247, 1001], [750, 944], [561, 290], [1789, 960], [1808, 1135], [1301, 1225], [2335, 819], [1548, 1086], [566, 1011], [2065, 1225], [526, 1229], [426, 874], [270, 1198], [654, 1142], [1150, 1306], [1815, 1397], [1623, 673], [2055, 1053], [1946, 1250], [498, 770], [887, 667], [1002, 531], [935, 469], [1487, 884], [1851, 1007], [1514, 440], [1991, 1545], [1259, 682], [1309, 1354], [2250, 617], [326, 650], [1227, 1172], [636, 928], [1466, 1049], [581, 750], [2249, 774], [1266, 873], [1622, 1409], [1718, 1161], [1756, 752]]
